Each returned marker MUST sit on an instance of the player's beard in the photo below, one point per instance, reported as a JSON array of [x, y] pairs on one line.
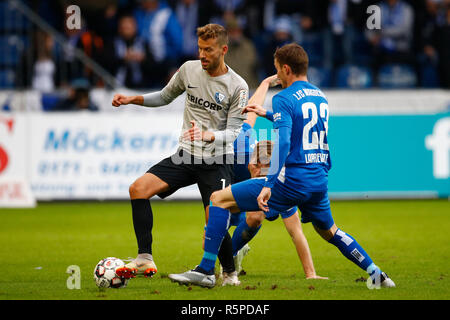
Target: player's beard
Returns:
[[212, 65]]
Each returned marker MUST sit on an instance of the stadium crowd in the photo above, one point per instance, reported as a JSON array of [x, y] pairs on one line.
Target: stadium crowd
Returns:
[[143, 42]]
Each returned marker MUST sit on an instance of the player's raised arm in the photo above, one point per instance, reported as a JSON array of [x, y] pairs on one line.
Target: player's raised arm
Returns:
[[254, 107]]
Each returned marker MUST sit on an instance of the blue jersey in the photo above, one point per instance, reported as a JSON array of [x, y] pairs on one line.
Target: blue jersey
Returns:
[[244, 145], [300, 114]]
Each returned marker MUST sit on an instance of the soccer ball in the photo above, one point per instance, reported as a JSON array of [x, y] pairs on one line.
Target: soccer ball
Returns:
[[105, 273]]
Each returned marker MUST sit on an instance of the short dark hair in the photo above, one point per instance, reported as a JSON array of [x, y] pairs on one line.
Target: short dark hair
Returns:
[[294, 56], [215, 31]]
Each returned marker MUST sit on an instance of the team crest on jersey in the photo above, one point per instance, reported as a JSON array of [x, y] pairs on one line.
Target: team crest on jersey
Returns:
[[219, 97]]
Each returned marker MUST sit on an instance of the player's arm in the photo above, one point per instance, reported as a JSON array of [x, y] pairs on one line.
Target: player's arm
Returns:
[[283, 129], [234, 120], [151, 100], [294, 228], [173, 89], [258, 98]]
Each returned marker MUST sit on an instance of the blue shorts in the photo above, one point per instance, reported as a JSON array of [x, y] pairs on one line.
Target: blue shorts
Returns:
[[314, 206], [237, 218]]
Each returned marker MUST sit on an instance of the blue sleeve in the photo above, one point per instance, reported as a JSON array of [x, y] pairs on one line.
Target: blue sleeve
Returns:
[[283, 124], [246, 127], [269, 115], [282, 116]]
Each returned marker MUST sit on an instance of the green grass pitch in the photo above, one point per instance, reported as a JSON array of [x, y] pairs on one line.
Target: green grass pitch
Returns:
[[407, 239]]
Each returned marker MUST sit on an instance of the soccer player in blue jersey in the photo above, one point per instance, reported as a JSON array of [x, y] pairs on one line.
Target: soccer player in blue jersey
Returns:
[[252, 159], [298, 174]]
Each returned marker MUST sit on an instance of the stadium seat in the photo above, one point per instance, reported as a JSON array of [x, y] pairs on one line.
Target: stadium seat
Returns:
[[319, 77], [397, 76], [353, 77], [49, 101]]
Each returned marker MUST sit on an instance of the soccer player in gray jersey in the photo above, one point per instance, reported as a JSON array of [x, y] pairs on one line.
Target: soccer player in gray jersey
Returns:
[[215, 97]]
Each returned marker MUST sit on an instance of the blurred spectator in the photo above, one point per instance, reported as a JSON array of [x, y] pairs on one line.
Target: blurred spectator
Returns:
[[93, 46], [344, 43], [129, 59], [105, 21], [428, 33], [241, 56], [158, 25], [37, 67], [191, 14], [356, 45], [393, 42], [78, 98], [309, 28], [44, 69], [337, 45], [276, 8], [333, 32], [281, 35], [223, 10], [71, 68]]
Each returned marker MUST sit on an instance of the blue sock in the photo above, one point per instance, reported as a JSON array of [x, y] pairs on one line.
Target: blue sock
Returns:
[[216, 229], [242, 235], [353, 251]]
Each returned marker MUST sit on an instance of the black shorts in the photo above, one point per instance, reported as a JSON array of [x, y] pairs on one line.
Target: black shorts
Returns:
[[208, 177]]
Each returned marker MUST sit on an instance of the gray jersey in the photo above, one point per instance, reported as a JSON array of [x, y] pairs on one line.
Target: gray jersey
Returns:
[[214, 103]]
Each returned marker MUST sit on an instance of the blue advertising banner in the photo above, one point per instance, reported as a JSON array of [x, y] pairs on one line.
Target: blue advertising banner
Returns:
[[387, 156]]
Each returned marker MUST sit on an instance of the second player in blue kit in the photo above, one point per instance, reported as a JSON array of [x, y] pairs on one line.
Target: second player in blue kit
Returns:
[[297, 177]]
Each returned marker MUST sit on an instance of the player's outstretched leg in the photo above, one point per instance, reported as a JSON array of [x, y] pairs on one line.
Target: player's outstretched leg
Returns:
[[203, 274], [244, 232], [218, 222], [227, 265], [140, 191], [351, 249]]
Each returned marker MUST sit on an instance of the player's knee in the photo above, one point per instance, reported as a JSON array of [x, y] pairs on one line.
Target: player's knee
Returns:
[[137, 191], [217, 199], [326, 234], [254, 219]]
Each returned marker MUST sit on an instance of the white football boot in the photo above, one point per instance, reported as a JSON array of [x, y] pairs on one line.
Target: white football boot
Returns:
[[240, 256], [142, 265], [195, 278], [230, 279], [386, 282], [383, 282]]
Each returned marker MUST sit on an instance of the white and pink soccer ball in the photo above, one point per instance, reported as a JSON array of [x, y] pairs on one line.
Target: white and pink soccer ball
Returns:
[[105, 273]]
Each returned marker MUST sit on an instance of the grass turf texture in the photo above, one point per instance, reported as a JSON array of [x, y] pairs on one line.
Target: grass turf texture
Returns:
[[407, 239]]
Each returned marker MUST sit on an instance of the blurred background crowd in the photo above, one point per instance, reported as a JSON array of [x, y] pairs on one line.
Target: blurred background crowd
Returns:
[[141, 43]]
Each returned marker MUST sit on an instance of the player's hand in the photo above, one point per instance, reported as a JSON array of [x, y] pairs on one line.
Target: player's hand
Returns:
[[194, 133], [120, 99], [259, 110], [316, 277], [272, 81], [263, 198]]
